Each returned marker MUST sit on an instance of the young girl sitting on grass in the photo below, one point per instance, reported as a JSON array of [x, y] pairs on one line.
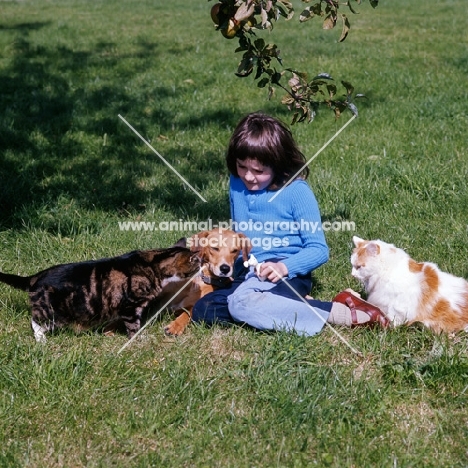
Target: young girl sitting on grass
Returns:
[[273, 205]]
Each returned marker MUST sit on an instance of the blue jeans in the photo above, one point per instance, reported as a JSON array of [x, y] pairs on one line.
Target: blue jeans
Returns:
[[264, 305]]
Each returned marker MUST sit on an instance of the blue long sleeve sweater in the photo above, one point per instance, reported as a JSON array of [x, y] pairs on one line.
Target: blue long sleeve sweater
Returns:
[[288, 228]]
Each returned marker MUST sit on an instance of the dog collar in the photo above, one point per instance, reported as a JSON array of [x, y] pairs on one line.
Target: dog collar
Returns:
[[216, 281]]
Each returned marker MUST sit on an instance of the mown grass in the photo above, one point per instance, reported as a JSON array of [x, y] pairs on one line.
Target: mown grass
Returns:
[[71, 169]]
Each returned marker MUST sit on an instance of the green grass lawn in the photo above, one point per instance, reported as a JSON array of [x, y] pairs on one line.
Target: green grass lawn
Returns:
[[70, 170]]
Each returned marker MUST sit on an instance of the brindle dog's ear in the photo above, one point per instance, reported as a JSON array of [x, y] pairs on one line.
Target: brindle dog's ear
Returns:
[[182, 242]]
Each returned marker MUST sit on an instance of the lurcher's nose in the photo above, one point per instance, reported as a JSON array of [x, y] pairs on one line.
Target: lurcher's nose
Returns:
[[224, 269]]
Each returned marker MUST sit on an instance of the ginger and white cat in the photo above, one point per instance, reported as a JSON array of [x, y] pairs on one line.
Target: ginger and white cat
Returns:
[[408, 291]]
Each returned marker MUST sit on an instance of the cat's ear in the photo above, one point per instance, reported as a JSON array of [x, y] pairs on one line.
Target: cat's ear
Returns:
[[357, 241], [372, 249], [182, 242]]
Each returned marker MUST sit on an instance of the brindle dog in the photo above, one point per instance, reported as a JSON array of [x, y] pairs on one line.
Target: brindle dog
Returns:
[[94, 293]]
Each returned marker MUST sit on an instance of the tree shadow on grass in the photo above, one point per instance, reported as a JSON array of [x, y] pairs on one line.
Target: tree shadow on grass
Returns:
[[53, 132]]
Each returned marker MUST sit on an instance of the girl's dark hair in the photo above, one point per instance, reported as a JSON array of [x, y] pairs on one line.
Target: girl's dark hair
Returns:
[[267, 140]]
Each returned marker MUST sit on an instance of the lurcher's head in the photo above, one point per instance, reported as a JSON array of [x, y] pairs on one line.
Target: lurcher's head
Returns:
[[219, 249]]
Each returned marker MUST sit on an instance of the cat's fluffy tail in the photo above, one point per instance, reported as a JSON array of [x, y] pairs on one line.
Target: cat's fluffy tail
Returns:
[[18, 282]]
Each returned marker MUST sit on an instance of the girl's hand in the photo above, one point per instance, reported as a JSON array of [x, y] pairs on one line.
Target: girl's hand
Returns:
[[273, 271]]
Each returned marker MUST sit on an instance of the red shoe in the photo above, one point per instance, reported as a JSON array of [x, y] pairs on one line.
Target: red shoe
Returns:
[[377, 317]]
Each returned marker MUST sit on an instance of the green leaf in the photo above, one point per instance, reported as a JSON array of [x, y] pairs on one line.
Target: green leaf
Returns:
[[303, 114], [287, 100], [241, 49], [294, 82], [285, 9], [346, 28], [259, 44], [351, 8], [312, 114], [330, 21], [306, 15], [265, 23], [353, 109], [271, 50], [245, 67], [317, 8], [322, 76], [276, 77], [298, 73], [331, 90], [349, 87], [260, 70], [317, 83]]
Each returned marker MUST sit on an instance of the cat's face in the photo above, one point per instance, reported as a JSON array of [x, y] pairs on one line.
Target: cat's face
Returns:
[[367, 257], [373, 257], [181, 265]]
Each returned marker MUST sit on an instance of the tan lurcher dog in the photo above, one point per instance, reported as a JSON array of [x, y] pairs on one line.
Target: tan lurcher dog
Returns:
[[218, 250]]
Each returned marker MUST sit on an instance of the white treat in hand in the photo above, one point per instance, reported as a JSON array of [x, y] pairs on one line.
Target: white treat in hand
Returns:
[[254, 263]]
